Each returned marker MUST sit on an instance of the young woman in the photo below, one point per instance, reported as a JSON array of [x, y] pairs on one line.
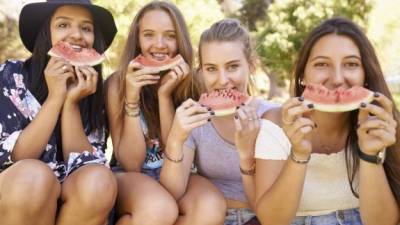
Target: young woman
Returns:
[[332, 162], [141, 106], [222, 148], [52, 121]]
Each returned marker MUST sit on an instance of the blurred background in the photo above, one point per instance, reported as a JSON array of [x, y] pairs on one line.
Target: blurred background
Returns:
[[277, 26]]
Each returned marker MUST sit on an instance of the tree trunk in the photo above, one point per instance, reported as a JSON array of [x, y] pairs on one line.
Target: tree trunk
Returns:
[[274, 89]]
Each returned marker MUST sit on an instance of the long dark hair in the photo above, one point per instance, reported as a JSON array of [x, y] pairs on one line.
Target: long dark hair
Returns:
[[374, 80], [185, 90], [91, 107]]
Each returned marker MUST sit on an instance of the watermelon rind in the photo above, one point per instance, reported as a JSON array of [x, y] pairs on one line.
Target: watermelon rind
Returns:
[[177, 60], [229, 111], [96, 58], [341, 107]]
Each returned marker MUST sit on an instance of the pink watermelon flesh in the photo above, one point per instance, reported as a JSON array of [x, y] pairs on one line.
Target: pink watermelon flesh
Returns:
[[84, 57], [224, 101], [338, 100], [167, 64]]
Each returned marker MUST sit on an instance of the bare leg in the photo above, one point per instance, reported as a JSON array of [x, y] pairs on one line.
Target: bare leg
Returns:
[[28, 194], [88, 196], [202, 204], [143, 201]]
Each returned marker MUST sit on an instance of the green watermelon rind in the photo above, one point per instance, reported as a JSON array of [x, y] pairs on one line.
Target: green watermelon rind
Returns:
[[341, 107]]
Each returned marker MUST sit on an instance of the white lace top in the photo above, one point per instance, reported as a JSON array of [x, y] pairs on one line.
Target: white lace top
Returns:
[[326, 187]]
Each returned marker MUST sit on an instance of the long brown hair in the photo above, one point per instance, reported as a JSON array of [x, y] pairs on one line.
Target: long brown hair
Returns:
[[230, 30], [148, 95], [374, 80]]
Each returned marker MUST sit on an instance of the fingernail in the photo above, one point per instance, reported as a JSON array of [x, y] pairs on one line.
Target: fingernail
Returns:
[[237, 107], [376, 94], [310, 106], [363, 105], [301, 98], [209, 119], [209, 108], [236, 117], [212, 113]]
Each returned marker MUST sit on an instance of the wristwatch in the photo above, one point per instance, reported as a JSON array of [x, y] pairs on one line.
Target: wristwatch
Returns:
[[376, 159]]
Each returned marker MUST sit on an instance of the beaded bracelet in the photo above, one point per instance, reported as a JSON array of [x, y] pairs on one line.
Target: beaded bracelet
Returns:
[[171, 159], [299, 161]]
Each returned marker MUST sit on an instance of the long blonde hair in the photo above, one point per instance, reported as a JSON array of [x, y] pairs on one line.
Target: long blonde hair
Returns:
[[132, 49]]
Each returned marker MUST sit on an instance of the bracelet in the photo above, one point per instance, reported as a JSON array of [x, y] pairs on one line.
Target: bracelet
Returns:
[[299, 161], [249, 172], [171, 159], [132, 105], [132, 112]]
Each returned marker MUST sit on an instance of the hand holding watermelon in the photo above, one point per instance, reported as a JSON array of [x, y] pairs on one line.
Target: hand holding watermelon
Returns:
[[189, 115], [377, 127], [247, 126], [173, 78], [84, 85], [57, 73], [137, 77], [296, 126]]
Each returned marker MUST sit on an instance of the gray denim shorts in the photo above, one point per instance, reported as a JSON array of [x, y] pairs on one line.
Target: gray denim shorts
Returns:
[[238, 216], [341, 217]]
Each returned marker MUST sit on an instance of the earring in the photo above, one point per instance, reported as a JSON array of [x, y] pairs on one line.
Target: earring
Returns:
[[365, 84], [302, 83]]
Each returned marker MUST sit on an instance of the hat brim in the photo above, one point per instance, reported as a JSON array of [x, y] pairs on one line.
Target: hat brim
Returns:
[[33, 16]]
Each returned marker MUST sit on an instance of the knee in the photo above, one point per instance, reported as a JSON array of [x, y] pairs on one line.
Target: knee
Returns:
[[30, 186], [96, 188], [159, 210], [211, 204]]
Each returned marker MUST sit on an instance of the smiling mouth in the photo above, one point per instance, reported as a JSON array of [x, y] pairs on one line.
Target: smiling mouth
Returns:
[[76, 48], [159, 56]]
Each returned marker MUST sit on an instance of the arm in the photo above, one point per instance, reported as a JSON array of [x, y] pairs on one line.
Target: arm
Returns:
[[73, 135], [34, 138], [178, 158], [166, 106], [377, 202], [273, 172]]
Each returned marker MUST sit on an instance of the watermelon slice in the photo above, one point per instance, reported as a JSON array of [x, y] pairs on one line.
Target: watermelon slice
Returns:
[[81, 57], [166, 64], [338, 100], [224, 101]]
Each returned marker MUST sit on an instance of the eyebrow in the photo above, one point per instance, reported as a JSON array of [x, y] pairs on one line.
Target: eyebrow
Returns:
[[150, 30], [326, 57], [232, 61], [68, 18]]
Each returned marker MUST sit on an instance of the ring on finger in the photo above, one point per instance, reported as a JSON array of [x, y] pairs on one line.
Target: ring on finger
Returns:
[[64, 68]]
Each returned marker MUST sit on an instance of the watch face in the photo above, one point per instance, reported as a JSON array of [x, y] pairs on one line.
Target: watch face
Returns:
[[381, 156]]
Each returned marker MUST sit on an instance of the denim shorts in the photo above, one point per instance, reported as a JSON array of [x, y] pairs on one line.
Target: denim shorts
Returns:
[[153, 173], [238, 216], [341, 217]]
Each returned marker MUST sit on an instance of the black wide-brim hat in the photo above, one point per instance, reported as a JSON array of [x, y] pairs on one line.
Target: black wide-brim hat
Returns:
[[33, 16]]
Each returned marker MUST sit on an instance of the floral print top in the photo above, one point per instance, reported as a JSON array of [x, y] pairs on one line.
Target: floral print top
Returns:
[[18, 107]]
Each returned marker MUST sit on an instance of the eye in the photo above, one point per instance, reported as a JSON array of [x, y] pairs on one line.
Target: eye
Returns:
[[352, 64], [211, 69], [233, 67], [148, 35], [87, 28], [62, 25], [171, 36], [321, 64]]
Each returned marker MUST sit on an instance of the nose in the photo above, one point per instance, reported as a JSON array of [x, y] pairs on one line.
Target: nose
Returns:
[[337, 76], [223, 78], [76, 33], [160, 42]]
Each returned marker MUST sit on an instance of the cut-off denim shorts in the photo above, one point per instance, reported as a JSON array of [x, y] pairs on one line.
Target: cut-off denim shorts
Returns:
[[238, 216], [341, 217], [153, 173]]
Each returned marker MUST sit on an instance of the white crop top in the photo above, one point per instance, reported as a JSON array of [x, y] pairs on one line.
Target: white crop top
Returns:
[[326, 186]]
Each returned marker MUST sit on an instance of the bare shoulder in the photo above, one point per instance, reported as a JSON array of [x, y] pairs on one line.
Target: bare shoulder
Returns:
[[274, 115]]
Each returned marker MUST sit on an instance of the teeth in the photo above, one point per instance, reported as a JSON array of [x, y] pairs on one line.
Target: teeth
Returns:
[[76, 47], [159, 56]]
